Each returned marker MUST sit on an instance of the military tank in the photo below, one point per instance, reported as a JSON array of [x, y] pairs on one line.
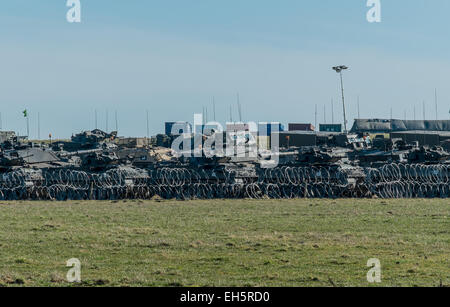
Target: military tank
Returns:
[[92, 166]]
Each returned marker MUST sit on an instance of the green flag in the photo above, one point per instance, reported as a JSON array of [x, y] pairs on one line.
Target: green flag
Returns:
[[25, 113]]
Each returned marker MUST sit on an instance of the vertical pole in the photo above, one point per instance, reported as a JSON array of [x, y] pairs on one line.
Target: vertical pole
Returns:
[[332, 111], [436, 102], [117, 122], [96, 122], [148, 128], [424, 114], [214, 108], [107, 119], [343, 103], [315, 117], [203, 116], [239, 107], [39, 125], [359, 114]]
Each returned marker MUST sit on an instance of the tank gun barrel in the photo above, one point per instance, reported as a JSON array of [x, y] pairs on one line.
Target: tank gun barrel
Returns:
[[79, 153]]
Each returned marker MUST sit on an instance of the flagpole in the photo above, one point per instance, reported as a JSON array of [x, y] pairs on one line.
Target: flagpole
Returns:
[[25, 114], [39, 126], [117, 122], [148, 128]]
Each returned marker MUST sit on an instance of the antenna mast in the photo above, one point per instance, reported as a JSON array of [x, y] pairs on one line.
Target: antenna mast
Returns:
[[96, 126], [39, 126], [107, 120], [424, 115], [239, 108], [332, 111], [359, 114], [436, 102], [148, 128], [315, 117], [117, 122], [214, 108]]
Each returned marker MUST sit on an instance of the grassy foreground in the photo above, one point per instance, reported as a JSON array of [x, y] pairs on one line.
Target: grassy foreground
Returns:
[[226, 242]]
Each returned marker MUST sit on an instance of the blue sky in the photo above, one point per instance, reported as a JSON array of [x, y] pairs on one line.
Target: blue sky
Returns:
[[171, 57]]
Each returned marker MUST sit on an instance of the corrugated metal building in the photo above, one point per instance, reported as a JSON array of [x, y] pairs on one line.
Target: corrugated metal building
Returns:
[[330, 127], [430, 138], [301, 127], [397, 125]]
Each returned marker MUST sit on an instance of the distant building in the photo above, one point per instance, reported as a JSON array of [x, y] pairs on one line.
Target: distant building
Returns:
[[266, 129], [301, 127], [397, 125], [177, 128], [288, 139], [297, 139], [429, 138], [330, 128]]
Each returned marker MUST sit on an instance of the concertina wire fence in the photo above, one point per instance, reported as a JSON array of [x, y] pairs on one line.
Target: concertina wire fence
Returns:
[[389, 181]]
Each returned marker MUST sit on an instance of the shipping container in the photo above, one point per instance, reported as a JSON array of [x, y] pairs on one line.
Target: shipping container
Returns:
[[330, 128], [266, 129], [301, 127], [295, 139]]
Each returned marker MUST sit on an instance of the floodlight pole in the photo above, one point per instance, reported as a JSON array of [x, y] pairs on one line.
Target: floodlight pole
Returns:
[[343, 102], [339, 70], [28, 128]]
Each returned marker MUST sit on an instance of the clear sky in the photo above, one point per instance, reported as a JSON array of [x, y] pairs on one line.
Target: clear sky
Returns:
[[172, 56]]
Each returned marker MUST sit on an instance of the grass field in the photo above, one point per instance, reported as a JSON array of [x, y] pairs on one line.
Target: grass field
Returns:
[[226, 242]]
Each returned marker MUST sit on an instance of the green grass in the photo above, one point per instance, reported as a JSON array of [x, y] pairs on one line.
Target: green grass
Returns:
[[226, 242]]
